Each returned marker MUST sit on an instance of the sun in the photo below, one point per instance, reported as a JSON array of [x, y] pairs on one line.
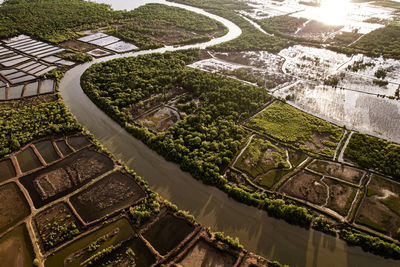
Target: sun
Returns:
[[333, 12]]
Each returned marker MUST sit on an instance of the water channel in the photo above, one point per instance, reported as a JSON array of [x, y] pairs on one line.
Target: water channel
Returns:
[[259, 233]]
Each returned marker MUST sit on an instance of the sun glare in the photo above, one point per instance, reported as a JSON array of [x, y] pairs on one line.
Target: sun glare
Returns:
[[333, 12]]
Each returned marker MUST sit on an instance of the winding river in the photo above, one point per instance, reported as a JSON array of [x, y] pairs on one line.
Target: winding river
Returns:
[[266, 236]]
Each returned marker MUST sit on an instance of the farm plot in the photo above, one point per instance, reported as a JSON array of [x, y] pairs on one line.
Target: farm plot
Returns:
[[65, 176], [114, 192], [99, 52], [315, 30], [205, 254], [16, 248], [307, 186], [341, 196], [262, 156], [160, 119], [56, 225], [337, 170], [13, 206], [294, 127], [28, 160], [32, 47], [80, 252], [380, 209], [167, 233]]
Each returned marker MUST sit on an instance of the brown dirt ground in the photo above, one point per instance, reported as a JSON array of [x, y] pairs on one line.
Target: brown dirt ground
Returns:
[[382, 207], [204, 254], [337, 170], [340, 196], [307, 186], [78, 45]]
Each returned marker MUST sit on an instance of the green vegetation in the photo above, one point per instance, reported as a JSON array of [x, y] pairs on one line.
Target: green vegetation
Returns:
[[272, 177], [76, 56], [53, 20], [154, 25], [57, 21], [294, 127], [205, 142], [385, 41], [246, 74], [281, 25], [371, 244], [21, 126], [372, 152], [250, 39], [229, 240], [380, 82], [345, 38], [325, 226], [360, 65], [261, 156]]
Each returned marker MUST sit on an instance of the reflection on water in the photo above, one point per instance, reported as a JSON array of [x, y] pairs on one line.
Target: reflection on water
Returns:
[[359, 111]]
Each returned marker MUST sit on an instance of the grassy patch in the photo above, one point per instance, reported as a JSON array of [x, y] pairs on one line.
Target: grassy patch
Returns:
[[282, 24], [272, 177], [369, 223], [292, 126], [262, 156]]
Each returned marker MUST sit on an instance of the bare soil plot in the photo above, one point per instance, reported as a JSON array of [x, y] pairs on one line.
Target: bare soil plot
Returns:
[[380, 209], [206, 255], [65, 176], [261, 156], [272, 177], [337, 170], [56, 225], [16, 248], [13, 206], [77, 253], [167, 232], [78, 45], [341, 196], [307, 186], [113, 192], [98, 52], [121, 47]]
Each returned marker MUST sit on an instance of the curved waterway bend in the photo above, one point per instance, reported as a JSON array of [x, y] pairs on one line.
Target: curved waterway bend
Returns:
[[259, 233]]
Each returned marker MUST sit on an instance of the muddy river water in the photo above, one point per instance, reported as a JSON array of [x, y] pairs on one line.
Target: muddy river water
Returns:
[[259, 233]]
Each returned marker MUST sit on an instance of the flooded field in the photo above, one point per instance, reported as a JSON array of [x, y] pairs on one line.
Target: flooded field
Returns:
[[362, 112], [47, 151], [167, 233], [16, 248], [13, 206], [28, 160], [6, 170]]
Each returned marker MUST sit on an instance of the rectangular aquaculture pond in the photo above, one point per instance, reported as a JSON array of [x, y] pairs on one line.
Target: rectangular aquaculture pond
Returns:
[[166, 233], [13, 206], [75, 254], [65, 176], [28, 160], [7, 170], [111, 193], [47, 151]]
